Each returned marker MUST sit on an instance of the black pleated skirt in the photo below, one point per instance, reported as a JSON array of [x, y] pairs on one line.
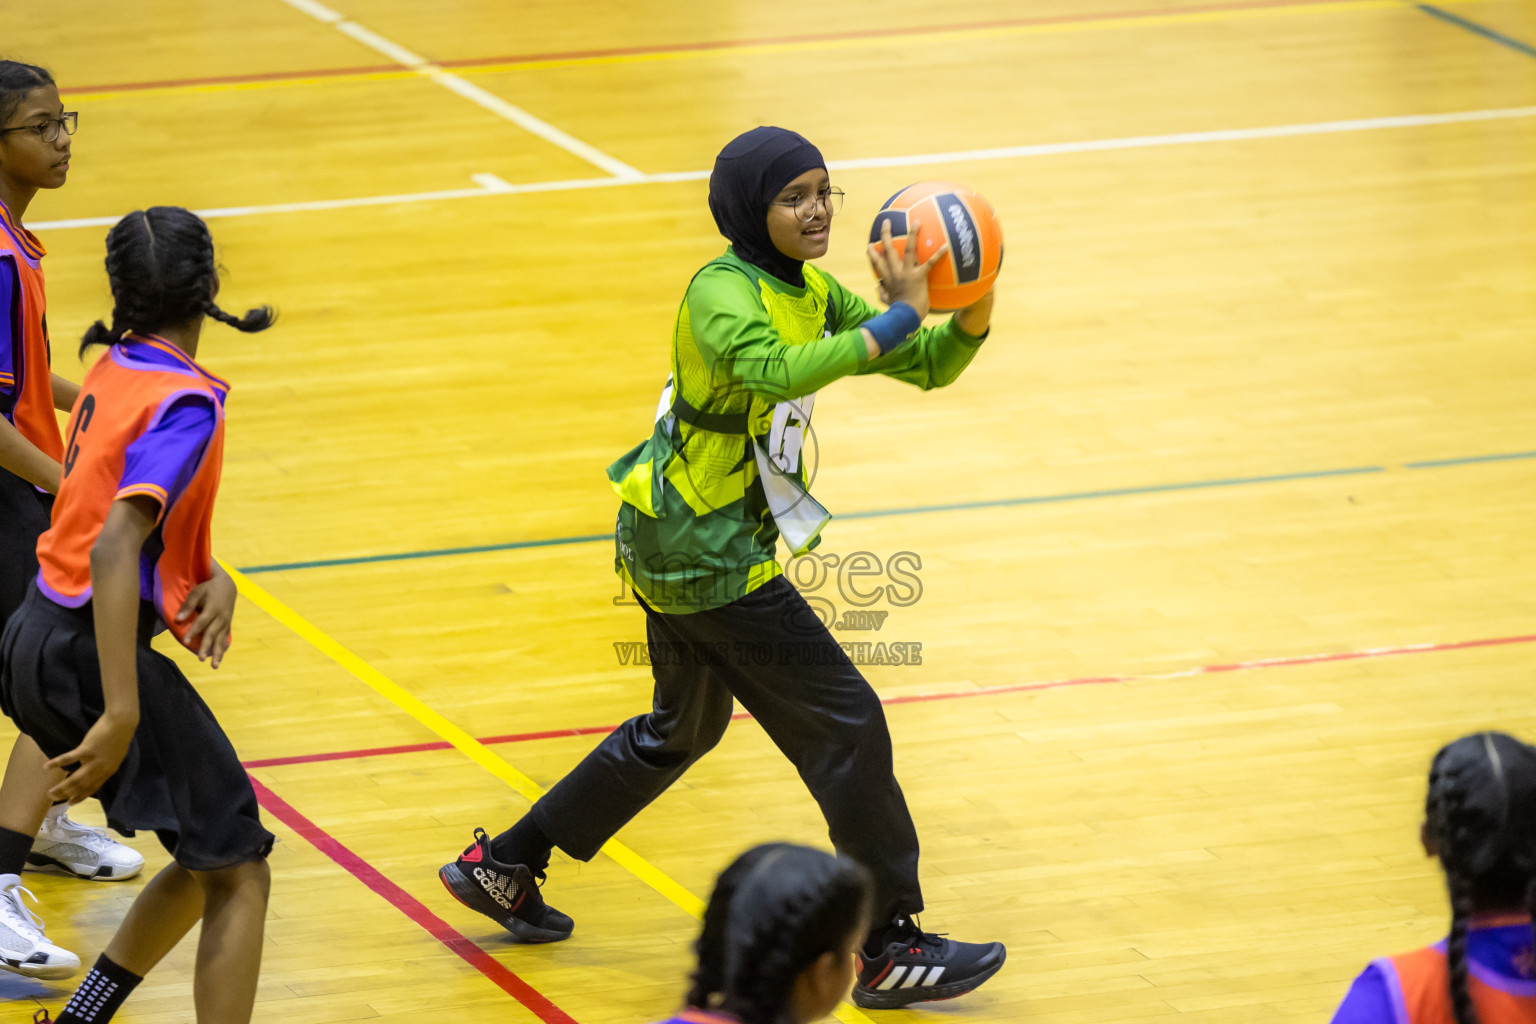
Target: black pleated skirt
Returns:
[[181, 778]]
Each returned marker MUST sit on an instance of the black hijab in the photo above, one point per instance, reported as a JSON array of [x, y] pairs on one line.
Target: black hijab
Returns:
[[749, 172]]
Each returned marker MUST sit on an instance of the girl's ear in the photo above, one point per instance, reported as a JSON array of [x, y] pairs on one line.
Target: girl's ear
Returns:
[[818, 988], [829, 980]]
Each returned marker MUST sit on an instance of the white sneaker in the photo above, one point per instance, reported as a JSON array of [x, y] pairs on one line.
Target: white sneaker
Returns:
[[24, 949], [82, 851]]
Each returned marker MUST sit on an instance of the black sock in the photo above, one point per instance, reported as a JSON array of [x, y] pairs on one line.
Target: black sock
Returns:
[[14, 847], [524, 843], [883, 935], [100, 994]]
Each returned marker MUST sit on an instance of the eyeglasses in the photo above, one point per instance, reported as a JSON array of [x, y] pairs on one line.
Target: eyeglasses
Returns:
[[48, 130], [805, 206]]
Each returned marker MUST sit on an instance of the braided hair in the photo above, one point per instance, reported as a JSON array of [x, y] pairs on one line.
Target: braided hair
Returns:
[[708, 980], [16, 80], [161, 267], [774, 912], [1481, 817]]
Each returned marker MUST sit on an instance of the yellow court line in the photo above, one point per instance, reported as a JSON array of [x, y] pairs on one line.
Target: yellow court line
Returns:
[[467, 744], [914, 38]]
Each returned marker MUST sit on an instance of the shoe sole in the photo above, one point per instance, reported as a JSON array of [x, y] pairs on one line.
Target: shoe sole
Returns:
[[893, 999], [105, 873], [41, 972], [465, 890]]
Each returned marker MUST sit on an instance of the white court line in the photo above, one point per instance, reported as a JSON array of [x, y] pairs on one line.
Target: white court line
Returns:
[[490, 185], [1184, 138], [452, 82]]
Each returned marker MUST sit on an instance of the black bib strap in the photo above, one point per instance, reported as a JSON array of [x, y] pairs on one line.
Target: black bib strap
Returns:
[[718, 422]]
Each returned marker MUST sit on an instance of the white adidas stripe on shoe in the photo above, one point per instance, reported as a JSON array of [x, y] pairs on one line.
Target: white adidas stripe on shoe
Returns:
[[901, 978]]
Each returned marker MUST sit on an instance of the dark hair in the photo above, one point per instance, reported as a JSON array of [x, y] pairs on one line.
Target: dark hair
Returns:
[[16, 80], [1481, 816], [708, 980], [161, 268], [774, 912]]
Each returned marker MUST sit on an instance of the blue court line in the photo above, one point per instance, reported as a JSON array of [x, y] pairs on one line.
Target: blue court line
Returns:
[[406, 556], [1047, 499], [1434, 463], [911, 510], [1482, 30]]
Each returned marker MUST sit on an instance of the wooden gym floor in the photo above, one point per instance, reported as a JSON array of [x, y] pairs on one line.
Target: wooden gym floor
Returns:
[[1226, 529]]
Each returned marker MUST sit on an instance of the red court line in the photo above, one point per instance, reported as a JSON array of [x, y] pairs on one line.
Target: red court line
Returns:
[[414, 748], [718, 44], [984, 691], [411, 907], [251, 77]]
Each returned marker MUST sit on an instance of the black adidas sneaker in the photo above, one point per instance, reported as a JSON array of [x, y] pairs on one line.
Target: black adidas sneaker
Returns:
[[917, 966], [505, 893]]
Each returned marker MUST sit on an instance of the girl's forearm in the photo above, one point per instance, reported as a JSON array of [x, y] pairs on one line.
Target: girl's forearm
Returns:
[[975, 319], [26, 460], [64, 393], [115, 607]]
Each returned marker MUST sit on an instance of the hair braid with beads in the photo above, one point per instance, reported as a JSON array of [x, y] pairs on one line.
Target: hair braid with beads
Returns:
[[160, 264], [1481, 813]]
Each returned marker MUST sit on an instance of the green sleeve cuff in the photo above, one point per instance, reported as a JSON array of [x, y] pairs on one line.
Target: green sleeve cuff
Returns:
[[861, 350]]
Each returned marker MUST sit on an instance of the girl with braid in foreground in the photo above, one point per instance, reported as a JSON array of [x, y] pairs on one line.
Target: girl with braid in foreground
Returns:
[[129, 554], [1480, 821], [780, 939]]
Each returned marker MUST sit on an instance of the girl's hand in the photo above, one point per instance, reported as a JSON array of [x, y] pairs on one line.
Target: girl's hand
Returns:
[[902, 278], [213, 602], [97, 757]]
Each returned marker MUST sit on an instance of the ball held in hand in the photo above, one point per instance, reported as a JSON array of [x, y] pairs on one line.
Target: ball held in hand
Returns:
[[947, 212]]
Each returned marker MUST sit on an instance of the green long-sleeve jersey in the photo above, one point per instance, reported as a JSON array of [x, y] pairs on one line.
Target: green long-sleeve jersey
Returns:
[[749, 351]]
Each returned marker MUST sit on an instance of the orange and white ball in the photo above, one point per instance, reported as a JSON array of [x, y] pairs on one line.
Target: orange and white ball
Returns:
[[946, 212]]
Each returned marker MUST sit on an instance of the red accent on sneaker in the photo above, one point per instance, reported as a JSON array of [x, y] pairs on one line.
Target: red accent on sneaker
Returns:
[[473, 855], [877, 979]]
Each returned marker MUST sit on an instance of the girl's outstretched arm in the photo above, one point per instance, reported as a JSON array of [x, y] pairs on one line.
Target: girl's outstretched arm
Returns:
[[736, 339], [115, 603], [935, 356]]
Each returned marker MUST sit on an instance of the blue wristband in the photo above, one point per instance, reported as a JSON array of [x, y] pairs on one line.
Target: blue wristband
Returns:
[[894, 326]]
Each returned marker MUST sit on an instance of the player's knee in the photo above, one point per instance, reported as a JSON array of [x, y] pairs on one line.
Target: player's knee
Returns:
[[249, 877], [716, 720], [866, 715]]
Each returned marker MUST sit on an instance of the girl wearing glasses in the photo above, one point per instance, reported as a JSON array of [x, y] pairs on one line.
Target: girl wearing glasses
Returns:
[[704, 502], [34, 154]]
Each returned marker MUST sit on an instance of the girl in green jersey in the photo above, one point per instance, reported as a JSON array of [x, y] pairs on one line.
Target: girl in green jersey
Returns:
[[704, 501]]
